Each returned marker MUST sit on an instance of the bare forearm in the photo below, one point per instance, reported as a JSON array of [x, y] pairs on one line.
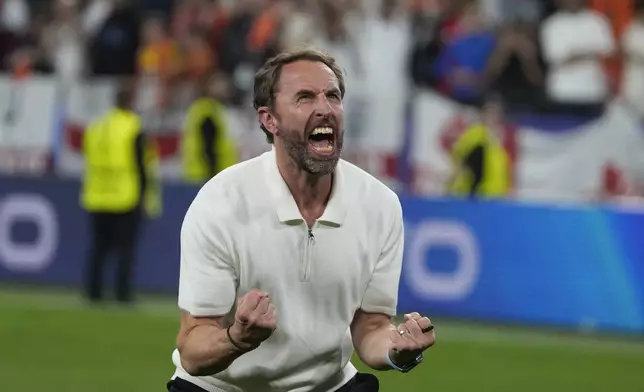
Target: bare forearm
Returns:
[[372, 349], [206, 351]]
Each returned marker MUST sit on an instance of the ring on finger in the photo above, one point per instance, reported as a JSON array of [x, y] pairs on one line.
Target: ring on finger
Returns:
[[403, 331]]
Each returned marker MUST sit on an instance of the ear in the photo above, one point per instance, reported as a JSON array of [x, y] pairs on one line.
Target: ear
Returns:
[[267, 119]]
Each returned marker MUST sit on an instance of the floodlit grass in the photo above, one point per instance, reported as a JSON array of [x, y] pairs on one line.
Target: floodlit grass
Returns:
[[51, 341]]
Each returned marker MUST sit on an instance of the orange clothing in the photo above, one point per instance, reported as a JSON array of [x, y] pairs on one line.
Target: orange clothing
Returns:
[[199, 62], [161, 59], [263, 30]]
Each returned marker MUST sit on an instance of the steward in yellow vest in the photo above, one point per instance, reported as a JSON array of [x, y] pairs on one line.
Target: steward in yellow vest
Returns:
[[120, 187], [482, 164], [207, 147]]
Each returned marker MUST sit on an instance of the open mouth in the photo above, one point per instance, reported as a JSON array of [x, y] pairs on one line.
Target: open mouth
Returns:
[[322, 140]]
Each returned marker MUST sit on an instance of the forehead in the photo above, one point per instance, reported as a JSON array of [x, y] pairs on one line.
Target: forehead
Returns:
[[309, 75]]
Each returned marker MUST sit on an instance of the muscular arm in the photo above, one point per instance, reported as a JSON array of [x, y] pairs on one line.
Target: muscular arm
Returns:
[[371, 338], [204, 346]]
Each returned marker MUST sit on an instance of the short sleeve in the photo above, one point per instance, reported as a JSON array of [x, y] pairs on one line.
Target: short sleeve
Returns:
[[208, 280], [381, 295]]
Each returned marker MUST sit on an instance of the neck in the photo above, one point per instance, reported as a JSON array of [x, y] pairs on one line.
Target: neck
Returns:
[[310, 192]]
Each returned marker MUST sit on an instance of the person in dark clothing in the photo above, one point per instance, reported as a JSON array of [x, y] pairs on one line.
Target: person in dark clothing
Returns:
[[114, 191], [113, 50]]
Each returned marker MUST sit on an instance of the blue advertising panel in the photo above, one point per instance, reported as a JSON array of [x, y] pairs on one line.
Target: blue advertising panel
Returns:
[[44, 235], [505, 262], [497, 261]]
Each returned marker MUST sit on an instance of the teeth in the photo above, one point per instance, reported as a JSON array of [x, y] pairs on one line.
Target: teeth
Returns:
[[324, 149], [322, 130]]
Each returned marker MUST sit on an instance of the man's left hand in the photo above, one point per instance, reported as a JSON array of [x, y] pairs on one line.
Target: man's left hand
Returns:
[[409, 340]]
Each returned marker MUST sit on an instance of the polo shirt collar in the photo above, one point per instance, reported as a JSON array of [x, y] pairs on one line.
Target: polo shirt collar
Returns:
[[287, 211]]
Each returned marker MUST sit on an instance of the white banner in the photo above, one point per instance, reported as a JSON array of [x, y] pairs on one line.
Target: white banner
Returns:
[[27, 110], [568, 165]]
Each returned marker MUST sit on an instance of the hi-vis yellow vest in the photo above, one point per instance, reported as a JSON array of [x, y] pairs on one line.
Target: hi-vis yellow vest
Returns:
[[111, 182], [496, 165], [195, 166]]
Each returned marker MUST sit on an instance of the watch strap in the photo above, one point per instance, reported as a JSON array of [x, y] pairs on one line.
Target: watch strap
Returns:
[[406, 367]]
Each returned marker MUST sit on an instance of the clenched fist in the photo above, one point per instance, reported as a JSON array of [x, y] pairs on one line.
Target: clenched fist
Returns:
[[411, 338], [255, 320]]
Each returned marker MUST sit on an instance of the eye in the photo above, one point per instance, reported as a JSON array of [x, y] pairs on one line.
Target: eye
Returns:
[[333, 95], [304, 96]]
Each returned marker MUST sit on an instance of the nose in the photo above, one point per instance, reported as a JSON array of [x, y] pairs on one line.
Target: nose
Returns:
[[322, 106]]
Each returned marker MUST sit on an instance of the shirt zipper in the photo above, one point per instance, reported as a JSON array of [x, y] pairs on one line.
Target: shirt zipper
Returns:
[[307, 258]]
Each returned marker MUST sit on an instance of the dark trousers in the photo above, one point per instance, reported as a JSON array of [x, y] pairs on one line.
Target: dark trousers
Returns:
[[118, 233], [362, 382]]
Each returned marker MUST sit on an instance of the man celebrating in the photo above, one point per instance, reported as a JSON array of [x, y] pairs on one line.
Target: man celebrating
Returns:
[[291, 260]]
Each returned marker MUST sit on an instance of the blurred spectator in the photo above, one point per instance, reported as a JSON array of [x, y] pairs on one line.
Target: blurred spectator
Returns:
[[159, 53], [64, 40], [235, 57], [633, 52], [114, 47], [385, 39], [299, 27], [95, 14], [191, 15], [198, 55], [503, 12], [516, 67], [33, 43], [159, 63], [575, 42], [14, 16], [462, 62], [340, 42]]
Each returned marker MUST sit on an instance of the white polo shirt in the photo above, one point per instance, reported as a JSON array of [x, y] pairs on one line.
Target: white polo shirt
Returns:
[[244, 231]]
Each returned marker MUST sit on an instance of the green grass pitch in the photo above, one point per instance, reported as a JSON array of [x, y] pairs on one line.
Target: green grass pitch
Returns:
[[51, 341]]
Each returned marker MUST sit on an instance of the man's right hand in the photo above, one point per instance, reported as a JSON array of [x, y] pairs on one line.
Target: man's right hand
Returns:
[[255, 320]]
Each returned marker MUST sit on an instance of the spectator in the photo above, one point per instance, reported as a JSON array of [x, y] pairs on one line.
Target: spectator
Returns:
[[384, 41], [159, 63], [337, 40], [516, 67], [95, 14], [235, 58], [159, 54], [114, 48], [190, 15], [461, 64], [503, 12], [633, 52], [64, 40], [198, 55], [298, 28], [14, 16], [33, 42], [575, 42]]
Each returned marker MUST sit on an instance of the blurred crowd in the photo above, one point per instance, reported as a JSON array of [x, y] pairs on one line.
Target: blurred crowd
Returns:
[[569, 57], [546, 55]]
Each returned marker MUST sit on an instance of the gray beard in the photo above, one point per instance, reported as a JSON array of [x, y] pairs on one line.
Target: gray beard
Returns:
[[297, 148]]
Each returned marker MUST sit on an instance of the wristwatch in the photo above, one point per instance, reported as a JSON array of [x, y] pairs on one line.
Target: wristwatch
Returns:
[[405, 367]]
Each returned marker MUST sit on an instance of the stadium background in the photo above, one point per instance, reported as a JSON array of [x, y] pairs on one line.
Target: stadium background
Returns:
[[542, 291]]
